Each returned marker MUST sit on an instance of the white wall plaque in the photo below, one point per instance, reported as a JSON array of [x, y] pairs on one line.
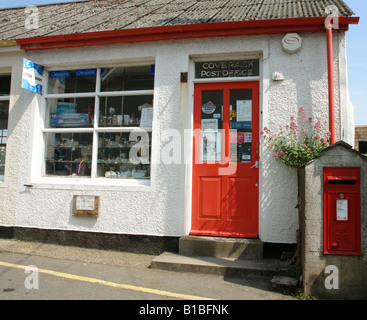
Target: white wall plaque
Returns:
[[86, 205]]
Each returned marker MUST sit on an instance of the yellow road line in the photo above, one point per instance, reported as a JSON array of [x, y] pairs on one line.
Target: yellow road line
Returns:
[[108, 283]]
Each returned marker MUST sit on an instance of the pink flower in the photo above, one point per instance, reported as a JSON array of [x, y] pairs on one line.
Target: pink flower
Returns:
[[328, 134], [262, 132], [294, 125], [304, 146], [315, 137], [323, 140], [302, 112], [276, 155], [280, 153], [303, 131], [318, 125]]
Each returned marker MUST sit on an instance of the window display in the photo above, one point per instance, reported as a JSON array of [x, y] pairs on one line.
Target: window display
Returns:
[[69, 154], [95, 126], [122, 156], [71, 112], [124, 111], [72, 81]]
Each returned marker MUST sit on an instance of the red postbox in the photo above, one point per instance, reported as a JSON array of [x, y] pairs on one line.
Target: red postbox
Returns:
[[342, 211]]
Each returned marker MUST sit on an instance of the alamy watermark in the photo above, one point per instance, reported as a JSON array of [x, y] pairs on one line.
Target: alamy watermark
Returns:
[[332, 280], [208, 148], [332, 20], [31, 281], [32, 17]]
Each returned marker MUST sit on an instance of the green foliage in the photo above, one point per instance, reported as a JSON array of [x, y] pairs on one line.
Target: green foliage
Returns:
[[298, 142]]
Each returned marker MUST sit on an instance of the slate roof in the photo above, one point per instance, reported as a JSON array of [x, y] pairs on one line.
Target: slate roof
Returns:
[[105, 15]]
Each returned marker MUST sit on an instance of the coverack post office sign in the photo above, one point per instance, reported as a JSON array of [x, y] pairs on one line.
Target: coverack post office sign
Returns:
[[229, 68]]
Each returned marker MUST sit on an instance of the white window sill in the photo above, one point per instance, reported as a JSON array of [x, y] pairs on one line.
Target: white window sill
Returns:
[[79, 183]]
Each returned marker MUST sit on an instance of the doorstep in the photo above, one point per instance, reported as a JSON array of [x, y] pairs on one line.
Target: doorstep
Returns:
[[236, 248], [230, 267]]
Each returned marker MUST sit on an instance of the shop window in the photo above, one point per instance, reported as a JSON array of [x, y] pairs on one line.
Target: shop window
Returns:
[[98, 122], [4, 115]]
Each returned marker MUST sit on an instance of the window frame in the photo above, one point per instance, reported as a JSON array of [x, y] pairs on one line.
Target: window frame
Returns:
[[95, 130]]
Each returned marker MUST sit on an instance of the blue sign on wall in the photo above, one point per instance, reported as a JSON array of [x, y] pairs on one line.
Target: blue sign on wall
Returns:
[[32, 76]]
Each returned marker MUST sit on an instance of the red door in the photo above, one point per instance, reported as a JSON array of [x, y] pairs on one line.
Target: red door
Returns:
[[225, 167]]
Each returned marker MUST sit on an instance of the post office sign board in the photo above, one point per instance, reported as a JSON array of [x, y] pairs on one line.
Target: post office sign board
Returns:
[[227, 69]]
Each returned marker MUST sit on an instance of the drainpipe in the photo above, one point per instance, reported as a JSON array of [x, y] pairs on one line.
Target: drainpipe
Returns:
[[330, 62]]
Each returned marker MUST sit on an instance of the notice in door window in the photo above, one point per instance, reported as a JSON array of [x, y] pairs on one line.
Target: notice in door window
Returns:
[[341, 210], [211, 146], [244, 110], [209, 125]]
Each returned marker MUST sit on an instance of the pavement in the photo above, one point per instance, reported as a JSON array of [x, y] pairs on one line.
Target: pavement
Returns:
[[111, 275]]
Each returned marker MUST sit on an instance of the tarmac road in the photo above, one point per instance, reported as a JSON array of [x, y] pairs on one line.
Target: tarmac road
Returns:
[[69, 273]]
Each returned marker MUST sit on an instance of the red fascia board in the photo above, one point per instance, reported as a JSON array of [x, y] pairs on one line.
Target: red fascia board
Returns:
[[189, 31]]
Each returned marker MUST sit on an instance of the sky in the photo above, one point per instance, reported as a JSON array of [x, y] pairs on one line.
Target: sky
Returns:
[[356, 51]]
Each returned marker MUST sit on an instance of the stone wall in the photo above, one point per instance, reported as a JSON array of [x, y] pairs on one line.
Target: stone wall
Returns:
[[349, 272]]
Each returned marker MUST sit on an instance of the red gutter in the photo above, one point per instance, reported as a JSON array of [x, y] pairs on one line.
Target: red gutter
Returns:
[[330, 63], [187, 31]]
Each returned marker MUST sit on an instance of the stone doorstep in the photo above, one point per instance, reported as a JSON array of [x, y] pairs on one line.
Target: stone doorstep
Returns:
[[219, 266], [236, 248]]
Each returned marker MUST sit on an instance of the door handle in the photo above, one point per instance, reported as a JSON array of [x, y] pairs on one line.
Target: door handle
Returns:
[[256, 165]]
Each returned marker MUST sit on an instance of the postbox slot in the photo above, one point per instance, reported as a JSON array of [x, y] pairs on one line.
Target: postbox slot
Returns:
[[341, 180]]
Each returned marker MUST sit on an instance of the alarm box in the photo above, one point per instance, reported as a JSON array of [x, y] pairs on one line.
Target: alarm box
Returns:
[[342, 209]]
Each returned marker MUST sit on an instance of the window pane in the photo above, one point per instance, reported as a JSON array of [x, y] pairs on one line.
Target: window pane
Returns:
[[70, 112], [4, 114], [72, 81], [124, 155], [240, 136], [68, 154], [5, 85], [127, 78], [2, 162], [211, 125], [128, 111]]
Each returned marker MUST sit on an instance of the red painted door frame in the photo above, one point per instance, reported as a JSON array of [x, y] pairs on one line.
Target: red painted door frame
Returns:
[[225, 204]]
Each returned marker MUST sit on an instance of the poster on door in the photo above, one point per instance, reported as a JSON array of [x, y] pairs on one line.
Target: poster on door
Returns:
[[211, 146], [244, 110]]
